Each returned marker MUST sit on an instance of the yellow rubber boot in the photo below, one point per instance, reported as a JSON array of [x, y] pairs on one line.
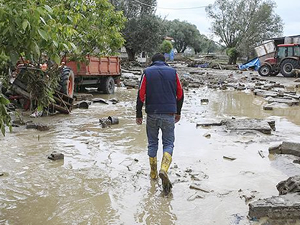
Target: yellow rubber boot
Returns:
[[163, 173], [153, 166]]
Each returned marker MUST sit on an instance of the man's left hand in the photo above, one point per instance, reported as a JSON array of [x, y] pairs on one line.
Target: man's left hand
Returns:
[[139, 121]]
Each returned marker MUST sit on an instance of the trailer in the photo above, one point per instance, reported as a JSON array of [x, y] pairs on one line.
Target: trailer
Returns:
[[279, 55], [99, 72]]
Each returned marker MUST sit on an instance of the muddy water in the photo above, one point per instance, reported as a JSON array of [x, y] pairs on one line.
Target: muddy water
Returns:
[[104, 176]]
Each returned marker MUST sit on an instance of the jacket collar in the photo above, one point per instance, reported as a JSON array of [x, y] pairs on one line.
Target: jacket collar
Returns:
[[159, 63]]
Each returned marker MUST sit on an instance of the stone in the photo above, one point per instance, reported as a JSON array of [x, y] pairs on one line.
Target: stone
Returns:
[[289, 101], [204, 101], [56, 156], [264, 93], [275, 149], [268, 107], [290, 148], [42, 127], [248, 124], [291, 185], [276, 207], [208, 123]]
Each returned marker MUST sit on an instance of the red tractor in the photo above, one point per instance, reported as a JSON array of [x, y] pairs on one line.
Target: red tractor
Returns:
[[286, 59]]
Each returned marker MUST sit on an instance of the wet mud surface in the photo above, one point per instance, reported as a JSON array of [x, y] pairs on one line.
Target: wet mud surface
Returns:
[[104, 177]]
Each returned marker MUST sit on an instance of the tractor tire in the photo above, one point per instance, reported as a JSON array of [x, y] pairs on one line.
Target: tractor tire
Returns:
[[264, 70], [67, 82], [287, 67], [108, 85]]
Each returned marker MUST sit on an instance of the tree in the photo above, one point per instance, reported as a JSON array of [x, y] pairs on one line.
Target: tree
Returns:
[[241, 23], [143, 31], [166, 46], [184, 34], [40, 30]]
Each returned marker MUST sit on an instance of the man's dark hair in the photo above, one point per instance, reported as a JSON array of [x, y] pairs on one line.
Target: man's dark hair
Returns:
[[158, 57]]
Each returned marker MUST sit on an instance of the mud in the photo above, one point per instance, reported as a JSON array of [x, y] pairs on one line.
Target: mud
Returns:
[[104, 176]]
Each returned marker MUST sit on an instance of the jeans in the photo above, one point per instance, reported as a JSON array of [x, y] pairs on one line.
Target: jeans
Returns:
[[165, 122]]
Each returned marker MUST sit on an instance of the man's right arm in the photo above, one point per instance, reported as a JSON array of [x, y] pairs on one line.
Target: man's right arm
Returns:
[[141, 98]]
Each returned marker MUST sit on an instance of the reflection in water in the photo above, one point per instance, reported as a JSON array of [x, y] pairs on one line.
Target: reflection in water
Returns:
[[155, 207]]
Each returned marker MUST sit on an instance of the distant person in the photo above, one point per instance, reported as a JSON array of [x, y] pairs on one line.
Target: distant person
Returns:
[[162, 93]]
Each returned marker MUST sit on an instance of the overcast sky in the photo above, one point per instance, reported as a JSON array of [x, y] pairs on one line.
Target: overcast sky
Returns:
[[288, 10]]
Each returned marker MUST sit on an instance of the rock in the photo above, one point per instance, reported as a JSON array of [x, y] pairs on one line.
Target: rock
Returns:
[[131, 83], [19, 122], [248, 124], [264, 93], [207, 135], [275, 149], [297, 161], [279, 207], [56, 156], [289, 102], [290, 148], [208, 123], [1, 174], [291, 185], [42, 127], [268, 107], [31, 125], [204, 101]]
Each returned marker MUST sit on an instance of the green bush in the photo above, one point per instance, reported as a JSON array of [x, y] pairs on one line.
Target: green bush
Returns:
[[166, 46]]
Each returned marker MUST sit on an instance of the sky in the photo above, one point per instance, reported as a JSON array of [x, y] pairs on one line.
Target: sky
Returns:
[[288, 10]]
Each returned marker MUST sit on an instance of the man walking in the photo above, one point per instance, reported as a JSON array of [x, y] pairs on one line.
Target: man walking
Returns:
[[162, 93]]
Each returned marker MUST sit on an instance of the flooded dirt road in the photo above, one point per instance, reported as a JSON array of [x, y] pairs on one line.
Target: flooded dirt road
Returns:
[[104, 177]]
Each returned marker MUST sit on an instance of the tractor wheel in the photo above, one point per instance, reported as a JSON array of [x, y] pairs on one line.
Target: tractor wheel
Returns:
[[264, 70], [287, 67], [67, 82], [108, 85]]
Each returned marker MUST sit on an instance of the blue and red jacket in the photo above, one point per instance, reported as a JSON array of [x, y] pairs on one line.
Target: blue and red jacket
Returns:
[[160, 90]]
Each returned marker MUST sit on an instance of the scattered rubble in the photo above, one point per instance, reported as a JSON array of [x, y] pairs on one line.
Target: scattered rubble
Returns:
[[37, 126], [290, 148], [276, 207], [56, 156], [260, 125], [291, 185]]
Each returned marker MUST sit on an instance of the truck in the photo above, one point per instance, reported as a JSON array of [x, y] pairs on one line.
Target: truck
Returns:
[[100, 72], [280, 55]]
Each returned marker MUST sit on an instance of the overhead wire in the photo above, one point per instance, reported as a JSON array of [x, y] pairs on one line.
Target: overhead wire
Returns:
[[142, 3]]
